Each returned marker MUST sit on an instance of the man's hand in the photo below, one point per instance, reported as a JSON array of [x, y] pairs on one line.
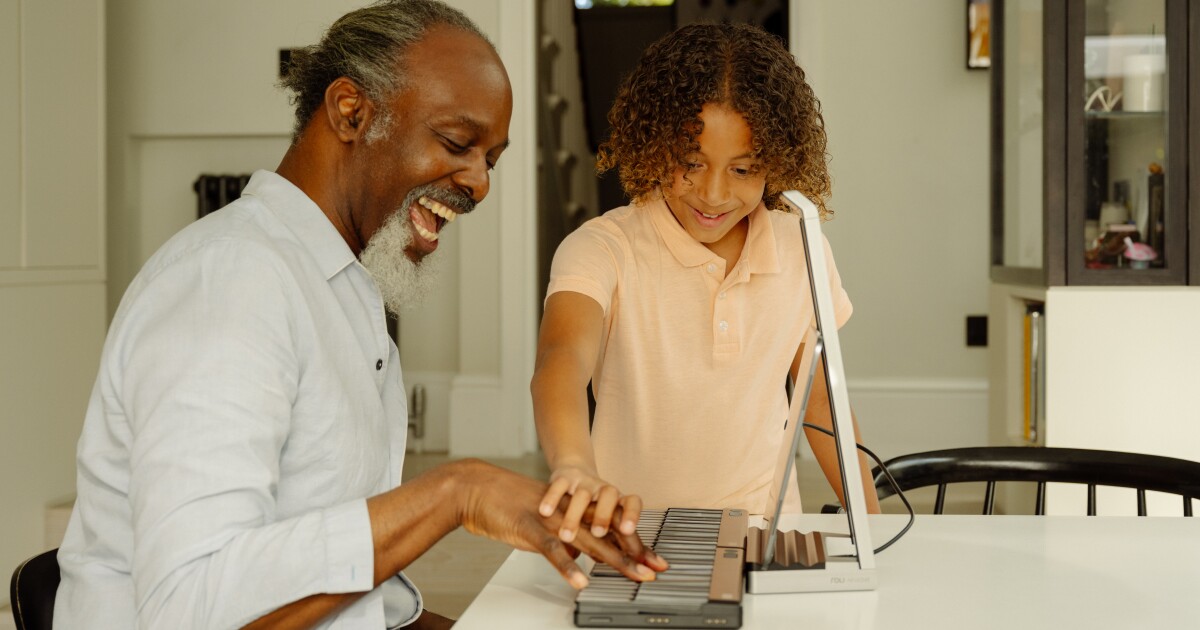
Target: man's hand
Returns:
[[504, 506], [487, 501]]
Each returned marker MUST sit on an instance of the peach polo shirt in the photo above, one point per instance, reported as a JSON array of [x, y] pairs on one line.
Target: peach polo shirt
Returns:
[[689, 381]]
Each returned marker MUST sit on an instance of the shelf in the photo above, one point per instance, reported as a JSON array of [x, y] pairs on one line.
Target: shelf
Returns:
[[1094, 114]]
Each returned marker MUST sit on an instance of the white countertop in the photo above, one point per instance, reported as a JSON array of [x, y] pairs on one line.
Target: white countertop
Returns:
[[948, 572]]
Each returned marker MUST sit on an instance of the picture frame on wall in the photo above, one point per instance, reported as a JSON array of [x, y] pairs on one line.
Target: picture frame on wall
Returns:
[[979, 40]]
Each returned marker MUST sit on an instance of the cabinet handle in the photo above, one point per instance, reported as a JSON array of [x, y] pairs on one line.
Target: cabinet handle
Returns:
[[1036, 376]]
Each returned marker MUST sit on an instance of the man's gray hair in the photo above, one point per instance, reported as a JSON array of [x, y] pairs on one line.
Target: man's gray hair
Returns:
[[365, 46]]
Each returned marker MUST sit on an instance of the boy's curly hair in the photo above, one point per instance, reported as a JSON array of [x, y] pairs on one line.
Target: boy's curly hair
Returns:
[[655, 117]]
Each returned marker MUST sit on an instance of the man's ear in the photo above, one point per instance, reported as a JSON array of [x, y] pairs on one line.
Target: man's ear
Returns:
[[348, 109]]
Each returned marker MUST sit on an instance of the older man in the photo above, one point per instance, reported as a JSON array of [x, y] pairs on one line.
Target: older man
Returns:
[[241, 455]]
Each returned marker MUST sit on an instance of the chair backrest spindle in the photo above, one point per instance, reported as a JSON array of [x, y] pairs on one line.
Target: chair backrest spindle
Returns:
[[989, 498]]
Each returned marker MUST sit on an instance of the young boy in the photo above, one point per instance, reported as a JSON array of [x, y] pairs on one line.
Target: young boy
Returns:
[[686, 309]]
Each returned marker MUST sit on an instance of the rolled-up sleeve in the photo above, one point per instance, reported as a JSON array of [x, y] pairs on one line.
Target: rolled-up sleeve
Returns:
[[587, 262]]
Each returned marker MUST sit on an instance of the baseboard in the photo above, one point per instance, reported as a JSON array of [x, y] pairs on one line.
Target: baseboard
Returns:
[[899, 416], [896, 416]]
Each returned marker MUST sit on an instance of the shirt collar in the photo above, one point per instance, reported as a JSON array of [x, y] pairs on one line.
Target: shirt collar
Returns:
[[305, 220], [759, 253]]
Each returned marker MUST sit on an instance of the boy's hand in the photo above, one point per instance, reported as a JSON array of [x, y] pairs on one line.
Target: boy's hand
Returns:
[[586, 490], [500, 505]]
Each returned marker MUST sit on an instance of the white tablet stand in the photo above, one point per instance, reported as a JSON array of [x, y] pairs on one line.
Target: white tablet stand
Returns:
[[793, 562]]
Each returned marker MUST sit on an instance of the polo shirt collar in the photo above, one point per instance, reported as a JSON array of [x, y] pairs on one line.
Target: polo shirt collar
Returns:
[[759, 254], [305, 219]]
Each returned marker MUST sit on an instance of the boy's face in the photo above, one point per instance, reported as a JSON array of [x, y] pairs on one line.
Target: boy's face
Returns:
[[720, 184]]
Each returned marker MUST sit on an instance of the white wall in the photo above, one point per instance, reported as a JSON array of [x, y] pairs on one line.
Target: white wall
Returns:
[[908, 139], [490, 408], [192, 90], [51, 254]]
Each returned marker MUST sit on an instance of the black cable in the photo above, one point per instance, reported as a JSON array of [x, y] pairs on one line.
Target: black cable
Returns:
[[912, 515]]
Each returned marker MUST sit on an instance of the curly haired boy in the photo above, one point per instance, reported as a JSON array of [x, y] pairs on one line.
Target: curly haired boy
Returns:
[[686, 309]]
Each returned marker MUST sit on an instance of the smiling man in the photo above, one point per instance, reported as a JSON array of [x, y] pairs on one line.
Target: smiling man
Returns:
[[240, 460]]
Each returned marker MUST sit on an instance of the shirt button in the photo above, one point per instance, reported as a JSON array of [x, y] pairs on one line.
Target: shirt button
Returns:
[[712, 268], [724, 325], [721, 295], [379, 365]]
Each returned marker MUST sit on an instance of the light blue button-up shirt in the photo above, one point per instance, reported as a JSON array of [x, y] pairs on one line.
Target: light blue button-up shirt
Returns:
[[249, 400]]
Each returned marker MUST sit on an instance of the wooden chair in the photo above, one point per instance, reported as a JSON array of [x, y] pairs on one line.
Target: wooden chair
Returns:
[[32, 591], [1043, 465]]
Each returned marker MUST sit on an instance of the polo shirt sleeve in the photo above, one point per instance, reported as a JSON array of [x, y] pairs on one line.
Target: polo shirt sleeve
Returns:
[[587, 262], [842, 308], [209, 367]]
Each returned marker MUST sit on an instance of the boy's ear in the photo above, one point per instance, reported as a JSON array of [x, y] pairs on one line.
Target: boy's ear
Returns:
[[348, 110]]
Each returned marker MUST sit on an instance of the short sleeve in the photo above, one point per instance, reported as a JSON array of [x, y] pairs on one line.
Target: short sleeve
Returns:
[[587, 262]]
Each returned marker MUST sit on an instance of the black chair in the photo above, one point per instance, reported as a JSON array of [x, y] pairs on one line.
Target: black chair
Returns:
[[1041, 465], [32, 591]]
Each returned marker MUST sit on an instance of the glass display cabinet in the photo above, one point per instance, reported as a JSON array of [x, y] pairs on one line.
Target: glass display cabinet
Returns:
[[1091, 101], [1095, 245]]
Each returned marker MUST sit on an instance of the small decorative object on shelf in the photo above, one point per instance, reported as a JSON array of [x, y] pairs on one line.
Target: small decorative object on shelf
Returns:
[[979, 36], [1139, 254], [1144, 82], [1108, 249]]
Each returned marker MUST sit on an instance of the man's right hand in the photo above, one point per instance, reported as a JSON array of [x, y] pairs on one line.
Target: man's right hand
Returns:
[[504, 506]]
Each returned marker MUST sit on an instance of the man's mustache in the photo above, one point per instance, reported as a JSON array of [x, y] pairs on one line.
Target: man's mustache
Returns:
[[447, 197]]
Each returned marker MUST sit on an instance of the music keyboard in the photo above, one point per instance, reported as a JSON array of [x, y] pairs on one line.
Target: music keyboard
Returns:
[[701, 589]]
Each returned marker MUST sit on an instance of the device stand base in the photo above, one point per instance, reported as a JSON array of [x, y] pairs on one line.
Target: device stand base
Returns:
[[804, 563]]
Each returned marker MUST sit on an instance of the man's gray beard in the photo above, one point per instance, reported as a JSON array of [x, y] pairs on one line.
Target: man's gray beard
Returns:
[[403, 283]]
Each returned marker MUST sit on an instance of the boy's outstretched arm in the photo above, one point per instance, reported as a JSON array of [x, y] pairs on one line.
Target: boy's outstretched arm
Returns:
[[824, 447], [568, 345]]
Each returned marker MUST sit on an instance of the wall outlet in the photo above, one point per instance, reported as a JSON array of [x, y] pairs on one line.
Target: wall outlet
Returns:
[[977, 330]]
